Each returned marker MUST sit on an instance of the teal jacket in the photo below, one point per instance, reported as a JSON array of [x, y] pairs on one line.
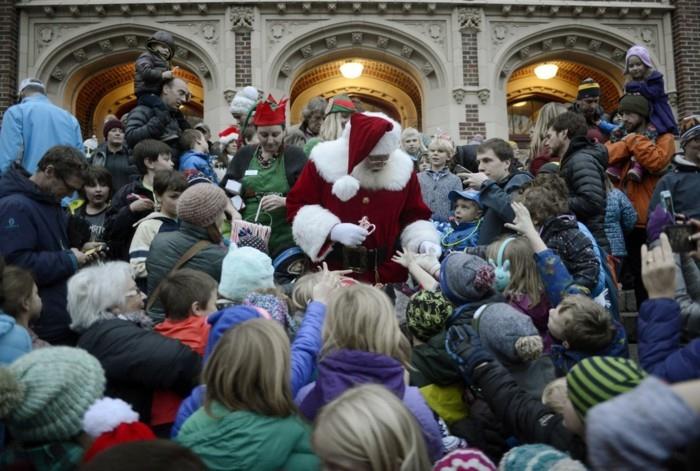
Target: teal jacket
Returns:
[[242, 440], [15, 341]]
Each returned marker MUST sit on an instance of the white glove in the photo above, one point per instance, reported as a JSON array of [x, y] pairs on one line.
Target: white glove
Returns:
[[348, 234], [430, 248]]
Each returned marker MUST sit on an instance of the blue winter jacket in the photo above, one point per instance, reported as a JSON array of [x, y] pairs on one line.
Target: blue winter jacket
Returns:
[[34, 236], [33, 126], [660, 351], [305, 348], [620, 218], [192, 162], [457, 237], [14, 340]]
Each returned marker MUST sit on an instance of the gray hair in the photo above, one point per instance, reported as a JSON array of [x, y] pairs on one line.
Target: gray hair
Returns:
[[93, 291], [316, 105]]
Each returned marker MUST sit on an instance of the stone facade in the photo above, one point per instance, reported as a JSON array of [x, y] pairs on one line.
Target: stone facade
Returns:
[[449, 65]]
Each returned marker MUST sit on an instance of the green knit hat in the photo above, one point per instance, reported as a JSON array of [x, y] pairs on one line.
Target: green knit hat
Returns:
[[426, 314], [45, 393], [596, 379]]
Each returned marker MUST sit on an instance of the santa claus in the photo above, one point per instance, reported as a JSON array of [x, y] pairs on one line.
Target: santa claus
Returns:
[[358, 200]]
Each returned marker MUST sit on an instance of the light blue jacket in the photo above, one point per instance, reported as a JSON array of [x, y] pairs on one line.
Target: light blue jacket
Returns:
[[30, 128], [14, 340]]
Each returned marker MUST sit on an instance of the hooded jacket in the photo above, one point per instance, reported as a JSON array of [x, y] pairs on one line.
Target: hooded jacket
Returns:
[[305, 348], [14, 340], [343, 369], [495, 200], [34, 236], [156, 121], [683, 183], [118, 163], [583, 167], [240, 440], [150, 66]]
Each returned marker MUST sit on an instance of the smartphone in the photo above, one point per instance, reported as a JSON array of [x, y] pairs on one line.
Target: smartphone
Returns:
[[667, 201], [679, 238], [93, 250], [460, 169]]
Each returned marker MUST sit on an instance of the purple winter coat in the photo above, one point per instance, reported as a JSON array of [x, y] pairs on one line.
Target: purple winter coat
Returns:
[[343, 369], [654, 91]]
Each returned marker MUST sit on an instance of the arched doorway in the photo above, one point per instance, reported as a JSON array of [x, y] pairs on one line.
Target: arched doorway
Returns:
[[526, 93], [381, 87]]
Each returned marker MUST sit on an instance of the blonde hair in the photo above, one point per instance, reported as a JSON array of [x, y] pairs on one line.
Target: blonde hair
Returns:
[[332, 126], [368, 427], [361, 317], [524, 277], [443, 143], [249, 370], [544, 119], [303, 291], [412, 132], [555, 396]]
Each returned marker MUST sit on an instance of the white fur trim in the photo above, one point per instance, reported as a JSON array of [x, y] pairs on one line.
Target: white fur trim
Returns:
[[416, 233], [106, 414], [228, 138], [311, 227], [346, 187], [331, 159]]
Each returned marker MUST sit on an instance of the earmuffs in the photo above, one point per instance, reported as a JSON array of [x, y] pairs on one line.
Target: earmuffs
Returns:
[[501, 268]]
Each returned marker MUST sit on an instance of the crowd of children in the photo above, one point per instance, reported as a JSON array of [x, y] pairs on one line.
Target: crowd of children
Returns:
[[504, 351]]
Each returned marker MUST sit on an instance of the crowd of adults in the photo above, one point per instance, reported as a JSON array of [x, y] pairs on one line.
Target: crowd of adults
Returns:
[[171, 300]]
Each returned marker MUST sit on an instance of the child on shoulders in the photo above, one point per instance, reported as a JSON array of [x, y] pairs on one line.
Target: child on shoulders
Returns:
[[153, 66]]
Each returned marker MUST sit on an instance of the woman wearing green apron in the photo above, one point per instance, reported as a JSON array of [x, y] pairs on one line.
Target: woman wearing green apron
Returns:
[[266, 172]]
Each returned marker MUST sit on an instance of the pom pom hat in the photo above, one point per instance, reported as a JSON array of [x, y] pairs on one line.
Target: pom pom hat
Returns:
[[111, 422], [244, 101], [270, 112], [367, 134], [45, 393]]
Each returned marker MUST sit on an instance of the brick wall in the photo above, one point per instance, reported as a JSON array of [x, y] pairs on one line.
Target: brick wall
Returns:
[[244, 75], [686, 47], [9, 20], [470, 58], [471, 124]]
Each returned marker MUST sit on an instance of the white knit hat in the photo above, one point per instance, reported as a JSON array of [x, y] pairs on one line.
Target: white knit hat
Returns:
[[244, 101]]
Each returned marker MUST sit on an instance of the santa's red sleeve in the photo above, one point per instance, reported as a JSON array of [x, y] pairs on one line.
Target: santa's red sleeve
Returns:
[[311, 222], [415, 217]]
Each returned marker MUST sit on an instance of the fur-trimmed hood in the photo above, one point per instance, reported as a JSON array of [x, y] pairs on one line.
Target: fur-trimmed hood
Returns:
[[331, 160]]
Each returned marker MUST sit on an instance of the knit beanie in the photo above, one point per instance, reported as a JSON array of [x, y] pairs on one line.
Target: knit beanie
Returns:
[[641, 52], [244, 101], [426, 314], [689, 129], [244, 270], [44, 394], [112, 124], [508, 334], [276, 307], [634, 104], [110, 422], [538, 457], [465, 278], [201, 204], [467, 459], [588, 88], [596, 379]]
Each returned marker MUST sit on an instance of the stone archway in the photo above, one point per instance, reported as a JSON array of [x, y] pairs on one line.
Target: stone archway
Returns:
[[98, 61], [402, 69], [382, 84]]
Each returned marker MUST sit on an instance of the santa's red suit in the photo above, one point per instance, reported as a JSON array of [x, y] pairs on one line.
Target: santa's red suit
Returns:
[[326, 195]]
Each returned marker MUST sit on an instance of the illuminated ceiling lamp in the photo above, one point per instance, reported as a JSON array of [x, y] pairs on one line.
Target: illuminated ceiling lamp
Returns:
[[546, 71], [351, 69]]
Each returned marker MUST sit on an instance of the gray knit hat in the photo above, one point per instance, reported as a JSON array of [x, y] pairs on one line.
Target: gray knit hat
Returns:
[[465, 278], [45, 393], [508, 334], [201, 204]]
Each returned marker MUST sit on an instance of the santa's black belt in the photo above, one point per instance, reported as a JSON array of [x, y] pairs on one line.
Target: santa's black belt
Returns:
[[358, 259]]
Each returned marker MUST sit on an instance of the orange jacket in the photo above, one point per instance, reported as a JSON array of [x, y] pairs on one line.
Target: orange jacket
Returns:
[[653, 156]]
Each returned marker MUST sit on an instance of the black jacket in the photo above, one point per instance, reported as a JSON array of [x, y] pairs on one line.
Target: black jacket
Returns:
[[583, 167], [562, 235], [522, 414], [156, 122], [495, 201], [119, 225], [684, 184], [150, 66], [118, 163], [138, 361], [294, 161]]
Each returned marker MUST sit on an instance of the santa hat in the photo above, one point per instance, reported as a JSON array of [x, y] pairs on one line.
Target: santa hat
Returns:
[[229, 134], [111, 422], [367, 134], [270, 112]]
